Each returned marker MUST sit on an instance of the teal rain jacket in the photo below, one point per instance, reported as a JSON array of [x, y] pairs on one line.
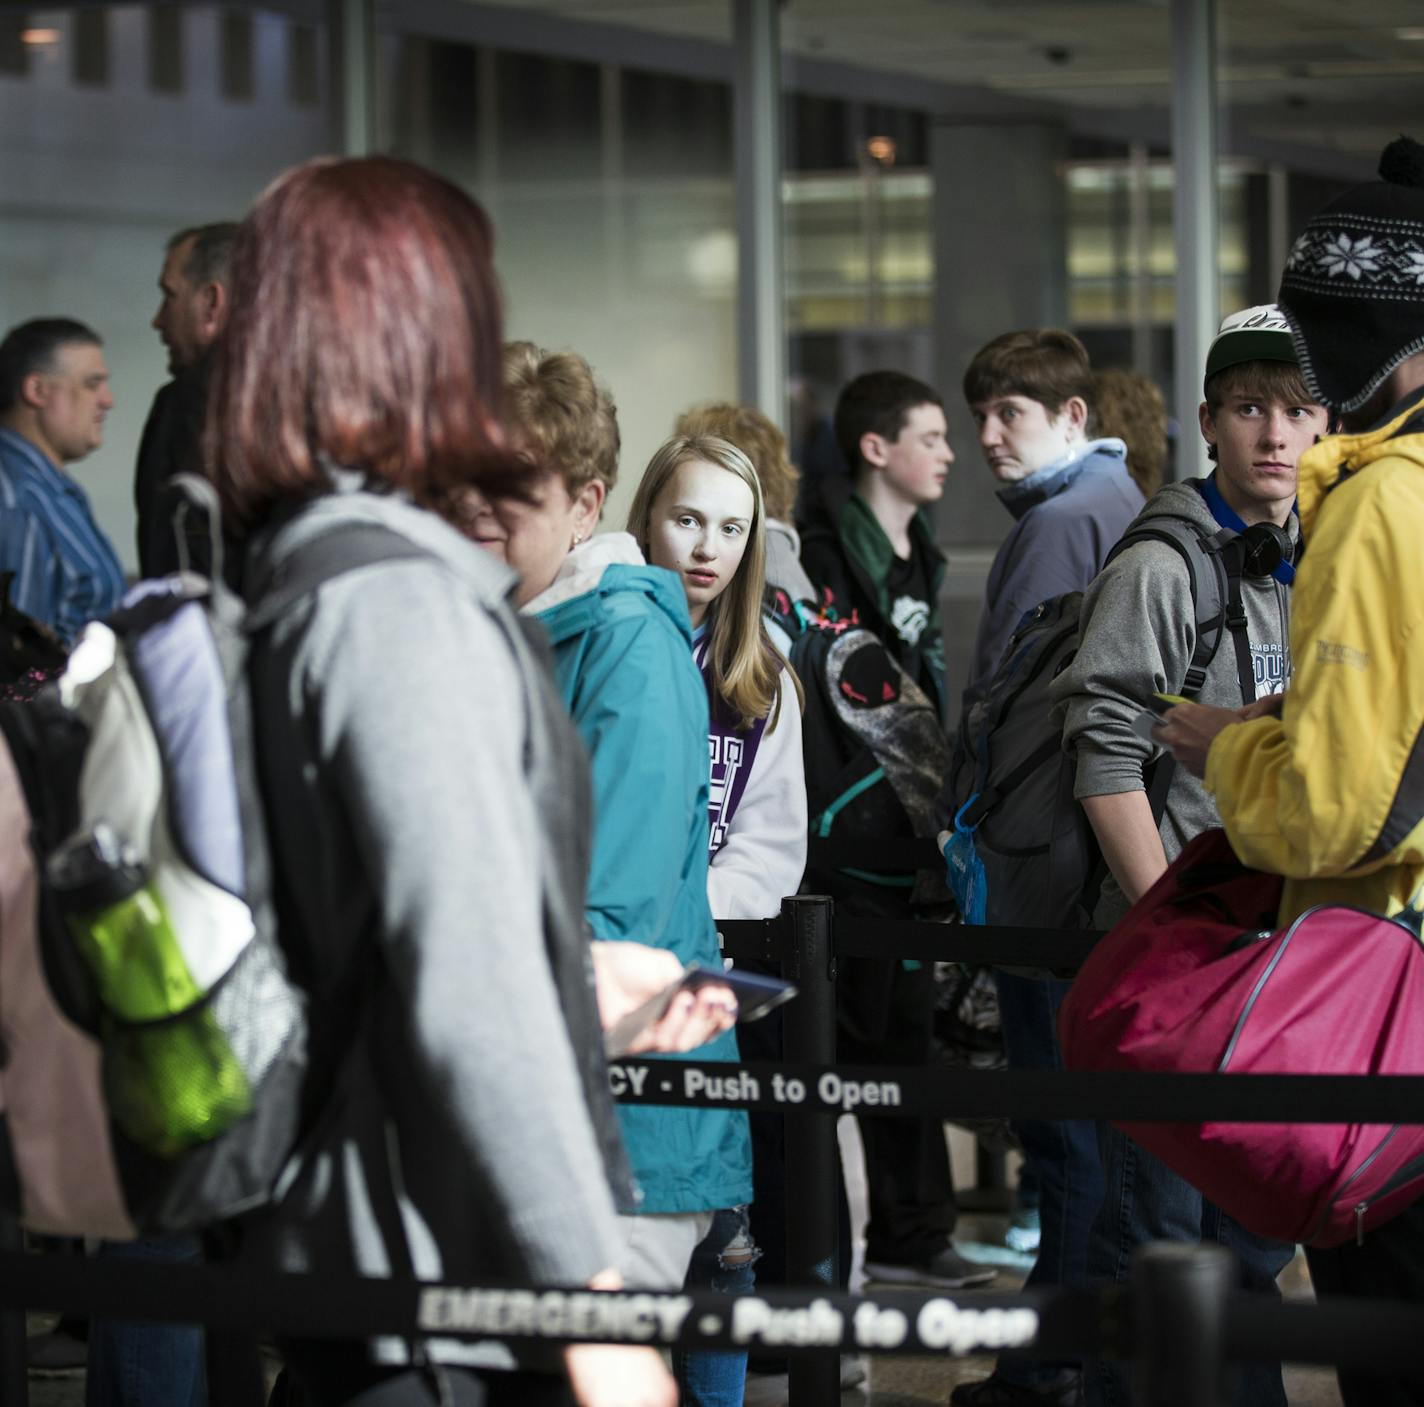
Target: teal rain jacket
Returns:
[[623, 663]]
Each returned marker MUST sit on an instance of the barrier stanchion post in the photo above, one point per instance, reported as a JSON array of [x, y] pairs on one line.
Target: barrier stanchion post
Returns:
[[812, 1236], [14, 1381], [1178, 1298]]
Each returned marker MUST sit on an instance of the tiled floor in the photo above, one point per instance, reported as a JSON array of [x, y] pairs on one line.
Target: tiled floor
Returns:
[[893, 1381]]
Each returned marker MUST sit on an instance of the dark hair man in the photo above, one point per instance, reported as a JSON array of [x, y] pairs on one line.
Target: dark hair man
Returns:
[[54, 395], [192, 313], [871, 549], [1324, 788], [1071, 497], [870, 545]]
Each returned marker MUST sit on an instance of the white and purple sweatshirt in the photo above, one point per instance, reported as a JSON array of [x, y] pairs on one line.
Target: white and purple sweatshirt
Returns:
[[757, 804]]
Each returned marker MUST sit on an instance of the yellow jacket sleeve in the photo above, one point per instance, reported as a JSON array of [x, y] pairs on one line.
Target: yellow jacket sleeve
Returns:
[[1308, 795]]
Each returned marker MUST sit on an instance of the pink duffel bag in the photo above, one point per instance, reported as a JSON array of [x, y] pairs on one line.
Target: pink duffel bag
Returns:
[[1198, 978]]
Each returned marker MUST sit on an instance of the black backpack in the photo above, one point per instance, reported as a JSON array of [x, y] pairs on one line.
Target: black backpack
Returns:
[[875, 756], [1023, 853]]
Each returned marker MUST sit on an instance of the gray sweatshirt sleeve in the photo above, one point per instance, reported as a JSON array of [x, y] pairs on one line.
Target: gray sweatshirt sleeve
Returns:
[[420, 714], [1137, 635]]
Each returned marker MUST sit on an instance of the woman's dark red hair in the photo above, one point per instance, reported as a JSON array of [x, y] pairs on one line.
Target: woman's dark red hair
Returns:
[[365, 331]]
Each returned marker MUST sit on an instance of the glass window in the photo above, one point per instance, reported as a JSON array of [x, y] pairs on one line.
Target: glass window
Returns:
[[612, 198], [235, 56], [102, 170], [303, 66], [165, 48], [14, 51], [91, 46]]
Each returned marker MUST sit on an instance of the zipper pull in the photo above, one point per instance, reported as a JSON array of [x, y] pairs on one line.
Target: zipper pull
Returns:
[[1360, 1209]]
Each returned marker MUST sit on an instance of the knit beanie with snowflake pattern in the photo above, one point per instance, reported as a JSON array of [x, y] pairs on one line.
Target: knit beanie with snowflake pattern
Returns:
[[1353, 288]]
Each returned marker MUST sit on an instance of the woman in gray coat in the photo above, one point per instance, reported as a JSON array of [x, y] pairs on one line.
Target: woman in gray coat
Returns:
[[427, 801]]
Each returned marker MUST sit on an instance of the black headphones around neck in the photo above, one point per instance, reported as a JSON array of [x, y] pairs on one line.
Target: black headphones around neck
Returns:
[[1264, 546]]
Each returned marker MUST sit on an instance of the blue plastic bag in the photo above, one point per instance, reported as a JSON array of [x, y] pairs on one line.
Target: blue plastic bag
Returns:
[[967, 880]]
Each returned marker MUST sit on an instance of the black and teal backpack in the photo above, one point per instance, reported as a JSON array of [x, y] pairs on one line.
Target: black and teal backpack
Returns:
[[875, 757]]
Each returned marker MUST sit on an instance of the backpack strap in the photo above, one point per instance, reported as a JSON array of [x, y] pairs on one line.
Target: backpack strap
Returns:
[[1231, 551], [332, 554], [1214, 597]]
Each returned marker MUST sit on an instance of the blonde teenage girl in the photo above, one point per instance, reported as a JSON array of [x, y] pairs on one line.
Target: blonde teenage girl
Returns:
[[698, 513]]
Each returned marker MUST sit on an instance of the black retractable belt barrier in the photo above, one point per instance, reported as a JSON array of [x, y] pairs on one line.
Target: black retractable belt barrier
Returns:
[[1112, 1096], [1040, 950], [812, 1230], [1169, 1306], [759, 939], [238, 1298]]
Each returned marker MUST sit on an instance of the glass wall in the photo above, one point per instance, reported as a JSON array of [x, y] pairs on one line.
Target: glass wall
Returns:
[[118, 126], [943, 180], [611, 192]]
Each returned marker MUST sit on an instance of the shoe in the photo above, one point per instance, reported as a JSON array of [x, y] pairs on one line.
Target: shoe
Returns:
[[55, 1352], [946, 1270], [1064, 1391], [1024, 1232]]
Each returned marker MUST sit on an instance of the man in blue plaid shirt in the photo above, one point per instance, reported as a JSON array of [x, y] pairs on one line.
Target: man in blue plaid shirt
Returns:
[[54, 395]]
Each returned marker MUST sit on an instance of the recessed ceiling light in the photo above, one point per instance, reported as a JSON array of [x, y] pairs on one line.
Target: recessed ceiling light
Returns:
[[881, 149], [1413, 34], [38, 37]]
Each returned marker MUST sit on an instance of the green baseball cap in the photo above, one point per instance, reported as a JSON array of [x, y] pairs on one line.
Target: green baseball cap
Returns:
[[1259, 334]]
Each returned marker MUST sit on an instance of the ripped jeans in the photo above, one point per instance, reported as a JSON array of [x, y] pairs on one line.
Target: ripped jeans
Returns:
[[723, 1262]]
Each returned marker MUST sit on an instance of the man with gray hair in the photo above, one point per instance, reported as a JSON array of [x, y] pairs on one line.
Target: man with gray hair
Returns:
[[54, 396], [193, 311]]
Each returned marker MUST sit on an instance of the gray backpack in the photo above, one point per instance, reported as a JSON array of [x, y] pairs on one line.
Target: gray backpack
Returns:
[[1022, 853], [155, 1048]]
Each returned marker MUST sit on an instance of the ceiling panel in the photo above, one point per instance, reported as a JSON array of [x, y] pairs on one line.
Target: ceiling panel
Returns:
[[1286, 64]]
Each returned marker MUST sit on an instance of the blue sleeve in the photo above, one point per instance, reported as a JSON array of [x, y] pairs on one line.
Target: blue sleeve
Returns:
[[641, 709], [26, 550]]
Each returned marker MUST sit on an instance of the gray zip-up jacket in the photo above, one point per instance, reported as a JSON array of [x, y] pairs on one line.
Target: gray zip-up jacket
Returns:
[[1138, 631], [429, 819]]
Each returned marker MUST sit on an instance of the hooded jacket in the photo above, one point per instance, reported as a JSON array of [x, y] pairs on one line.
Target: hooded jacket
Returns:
[[1137, 633], [623, 664], [1066, 522], [1330, 794], [784, 571], [429, 807], [846, 552]]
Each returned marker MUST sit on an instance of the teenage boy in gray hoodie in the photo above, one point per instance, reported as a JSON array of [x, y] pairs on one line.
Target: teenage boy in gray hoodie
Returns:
[[1138, 632]]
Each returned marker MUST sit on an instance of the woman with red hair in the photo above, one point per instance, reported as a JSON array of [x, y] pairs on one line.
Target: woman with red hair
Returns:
[[427, 801]]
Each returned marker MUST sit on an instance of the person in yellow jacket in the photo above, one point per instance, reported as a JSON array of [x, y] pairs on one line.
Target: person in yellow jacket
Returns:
[[1325, 784]]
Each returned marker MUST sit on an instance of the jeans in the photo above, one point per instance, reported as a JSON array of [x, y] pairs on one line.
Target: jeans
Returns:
[[1147, 1201], [1063, 1155], [147, 1365], [724, 1261], [1388, 1266]]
